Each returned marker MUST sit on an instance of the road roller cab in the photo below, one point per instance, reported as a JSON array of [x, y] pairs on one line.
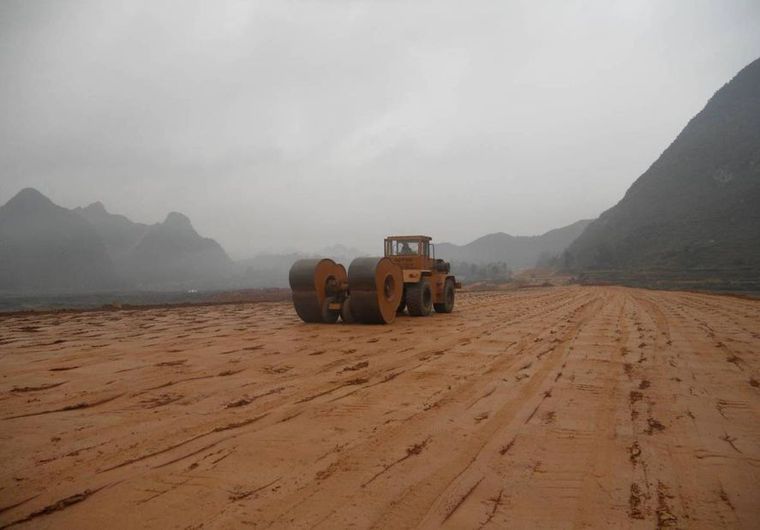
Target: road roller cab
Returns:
[[428, 283], [411, 253], [374, 289]]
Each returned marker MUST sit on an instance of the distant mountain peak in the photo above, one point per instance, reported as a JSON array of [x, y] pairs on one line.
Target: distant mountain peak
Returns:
[[29, 198], [47, 247], [176, 219], [29, 192], [173, 253], [497, 235], [96, 206]]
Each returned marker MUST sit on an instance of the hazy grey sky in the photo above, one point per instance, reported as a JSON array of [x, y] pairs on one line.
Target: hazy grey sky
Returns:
[[279, 125]]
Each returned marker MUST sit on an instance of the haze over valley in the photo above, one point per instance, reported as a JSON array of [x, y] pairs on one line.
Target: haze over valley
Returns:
[[379, 265], [692, 219], [49, 249], [280, 128]]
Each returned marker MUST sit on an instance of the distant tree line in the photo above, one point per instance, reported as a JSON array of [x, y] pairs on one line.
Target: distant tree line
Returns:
[[478, 272]]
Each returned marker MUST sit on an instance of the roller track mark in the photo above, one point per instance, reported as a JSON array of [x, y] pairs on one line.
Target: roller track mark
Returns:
[[506, 415], [67, 408], [17, 504], [188, 455], [724, 497], [461, 500], [496, 505], [171, 383], [19, 390], [221, 428], [248, 493], [437, 349], [58, 506], [158, 494], [665, 516], [730, 441], [350, 382], [504, 450], [688, 325], [411, 451], [701, 303], [547, 394], [290, 416], [481, 398], [387, 378]]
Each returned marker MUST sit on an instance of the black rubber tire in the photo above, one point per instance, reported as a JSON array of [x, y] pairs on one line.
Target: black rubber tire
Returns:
[[345, 312], [447, 306], [419, 298], [402, 304], [329, 316]]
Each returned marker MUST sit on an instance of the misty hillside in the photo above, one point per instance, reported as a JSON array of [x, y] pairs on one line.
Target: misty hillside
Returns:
[[172, 254], [271, 270], [44, 247], [697, 208], [519, 252], [119, 234], [48, 248]]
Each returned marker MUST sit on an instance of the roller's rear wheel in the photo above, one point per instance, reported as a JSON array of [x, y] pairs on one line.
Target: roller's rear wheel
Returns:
[[345, 312], [329, 316], [402, 303], [447, 306], [419, 298]]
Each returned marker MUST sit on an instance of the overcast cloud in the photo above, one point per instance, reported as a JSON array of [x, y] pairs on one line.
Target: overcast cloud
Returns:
[[282, 125]]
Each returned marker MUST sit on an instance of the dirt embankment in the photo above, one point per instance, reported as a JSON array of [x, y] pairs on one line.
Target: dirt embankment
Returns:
[[558, 407]]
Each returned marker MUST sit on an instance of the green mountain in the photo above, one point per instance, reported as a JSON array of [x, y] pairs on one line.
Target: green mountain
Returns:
[[694, 215]]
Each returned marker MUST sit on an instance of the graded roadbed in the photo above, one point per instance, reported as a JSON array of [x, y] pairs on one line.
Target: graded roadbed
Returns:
[[550, 407]]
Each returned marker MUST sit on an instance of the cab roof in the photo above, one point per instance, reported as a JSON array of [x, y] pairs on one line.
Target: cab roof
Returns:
[[410, 238]]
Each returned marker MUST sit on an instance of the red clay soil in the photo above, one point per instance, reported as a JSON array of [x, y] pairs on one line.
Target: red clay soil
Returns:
[[552, 408]]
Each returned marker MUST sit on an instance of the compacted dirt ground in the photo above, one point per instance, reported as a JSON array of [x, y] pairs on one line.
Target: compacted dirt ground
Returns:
[[543, 408]]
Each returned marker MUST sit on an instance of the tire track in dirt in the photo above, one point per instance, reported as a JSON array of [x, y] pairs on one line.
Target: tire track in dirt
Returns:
[[158, 451], [287, 400], [608, 406], [504, 482], [359, 454], [696, 419]]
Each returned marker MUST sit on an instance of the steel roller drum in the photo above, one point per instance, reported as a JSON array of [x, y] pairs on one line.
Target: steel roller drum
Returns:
[[312, 282], [376, 286]]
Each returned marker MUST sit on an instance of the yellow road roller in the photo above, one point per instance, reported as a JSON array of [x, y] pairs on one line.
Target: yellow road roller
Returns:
[[374, 290]]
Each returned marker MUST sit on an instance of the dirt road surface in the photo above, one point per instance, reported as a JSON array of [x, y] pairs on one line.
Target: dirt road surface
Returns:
[[545, 408]]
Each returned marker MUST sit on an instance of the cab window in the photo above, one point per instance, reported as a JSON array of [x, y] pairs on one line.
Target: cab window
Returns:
[[405, 248]]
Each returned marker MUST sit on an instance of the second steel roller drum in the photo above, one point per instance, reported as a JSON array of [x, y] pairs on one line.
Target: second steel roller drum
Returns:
[[310, 281], [376, 286]]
